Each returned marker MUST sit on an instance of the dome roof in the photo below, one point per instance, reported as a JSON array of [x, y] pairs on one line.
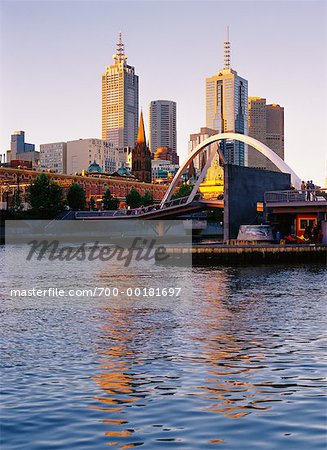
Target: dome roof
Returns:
[[123, 171], [94, 168]]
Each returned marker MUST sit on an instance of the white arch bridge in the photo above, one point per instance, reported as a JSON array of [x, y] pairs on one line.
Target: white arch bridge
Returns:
[[192, 202]]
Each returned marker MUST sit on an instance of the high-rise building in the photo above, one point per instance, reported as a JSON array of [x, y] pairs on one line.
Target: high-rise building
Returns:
[[83, 152], [195, 140], [162, 125], [120, 101], [275, 129], [20, 150], [266, 124], [53, 156], [141, 156], [226, 108]]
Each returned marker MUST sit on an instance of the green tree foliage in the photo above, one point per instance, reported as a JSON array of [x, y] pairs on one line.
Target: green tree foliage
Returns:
[[17, 202], [92, 203], [134, 198], [184, 190], [109, 202], [147, 199], [76, 197], [45, 196]]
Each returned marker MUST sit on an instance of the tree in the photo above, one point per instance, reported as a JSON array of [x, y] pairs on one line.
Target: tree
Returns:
[[147, 199], [92, 203], [17, 202], [184, 190], [134, 198], [45, 196], [109, 202], [76, 197]]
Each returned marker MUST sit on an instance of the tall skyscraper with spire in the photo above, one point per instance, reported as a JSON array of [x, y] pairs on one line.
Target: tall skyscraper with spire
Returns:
[[120, 101], [141, 156], [226, 107]]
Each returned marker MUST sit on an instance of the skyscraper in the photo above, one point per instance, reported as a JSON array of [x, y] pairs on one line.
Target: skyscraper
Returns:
[[120, 101], [21, 150], [227, 108], [266, 124], [162, 124]]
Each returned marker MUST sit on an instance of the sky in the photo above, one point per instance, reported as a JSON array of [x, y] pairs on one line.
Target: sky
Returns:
[[53, 54]]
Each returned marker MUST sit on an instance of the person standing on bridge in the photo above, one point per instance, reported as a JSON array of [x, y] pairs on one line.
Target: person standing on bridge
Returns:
[[308, 191]]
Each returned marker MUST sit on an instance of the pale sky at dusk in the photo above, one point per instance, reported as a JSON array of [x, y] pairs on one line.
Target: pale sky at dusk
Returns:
[[54, 52]]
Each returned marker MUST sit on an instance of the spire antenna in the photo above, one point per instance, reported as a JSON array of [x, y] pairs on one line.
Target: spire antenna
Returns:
[[120, 52], [120, 48], [227, 51]]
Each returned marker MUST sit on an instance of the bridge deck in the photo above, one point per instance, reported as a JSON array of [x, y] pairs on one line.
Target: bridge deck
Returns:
[[164, 213]]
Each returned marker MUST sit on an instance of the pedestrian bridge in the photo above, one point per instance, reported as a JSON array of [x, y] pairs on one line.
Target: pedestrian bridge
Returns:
[[169, 208]]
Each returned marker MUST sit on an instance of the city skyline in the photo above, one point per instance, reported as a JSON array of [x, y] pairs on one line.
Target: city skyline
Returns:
[[71, 110]]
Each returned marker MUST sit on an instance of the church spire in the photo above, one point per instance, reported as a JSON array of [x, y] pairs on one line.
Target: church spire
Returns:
[[227, 51], [141, 132]]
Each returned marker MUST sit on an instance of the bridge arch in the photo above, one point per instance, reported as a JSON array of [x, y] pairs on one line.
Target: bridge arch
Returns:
[[259, 146]]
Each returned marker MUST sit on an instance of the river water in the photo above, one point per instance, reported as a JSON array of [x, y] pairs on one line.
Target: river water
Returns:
[[238, 363]]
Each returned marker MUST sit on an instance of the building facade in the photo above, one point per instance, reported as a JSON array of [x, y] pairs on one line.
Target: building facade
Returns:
[[20, 150], [83, 152], [163, 169], [195, 140], [162, 125], [53, 156], [120, 101], [141, 156], [94, 185], [167, 154], [266, 124], [275, 129], [227, 108]]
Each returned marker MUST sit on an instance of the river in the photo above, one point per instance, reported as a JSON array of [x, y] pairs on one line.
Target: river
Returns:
[[236, 363]]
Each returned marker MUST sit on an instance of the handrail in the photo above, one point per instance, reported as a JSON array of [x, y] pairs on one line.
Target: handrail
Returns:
[[305, 195], [136, 211]]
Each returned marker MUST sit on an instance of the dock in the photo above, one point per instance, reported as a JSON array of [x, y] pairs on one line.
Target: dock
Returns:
[[259, 253]]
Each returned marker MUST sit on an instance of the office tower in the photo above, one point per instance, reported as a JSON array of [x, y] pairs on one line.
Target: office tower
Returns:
[[120, 101], [20, 150], [83, 152], [53, 156], [266, 124], [196, 139], [226, 108], [141, 156], [275, 129], [162, 124]]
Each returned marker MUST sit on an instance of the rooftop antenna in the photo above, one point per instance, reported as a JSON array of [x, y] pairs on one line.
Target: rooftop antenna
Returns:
[[227, 51], [120, 53]]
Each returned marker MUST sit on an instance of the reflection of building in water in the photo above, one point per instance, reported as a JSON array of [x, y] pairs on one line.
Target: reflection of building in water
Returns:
[[115, 378], [231, 360]]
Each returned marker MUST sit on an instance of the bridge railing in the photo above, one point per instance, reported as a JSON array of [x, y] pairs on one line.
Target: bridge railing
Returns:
[[134, 212], [180, 201], [307, 195]]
